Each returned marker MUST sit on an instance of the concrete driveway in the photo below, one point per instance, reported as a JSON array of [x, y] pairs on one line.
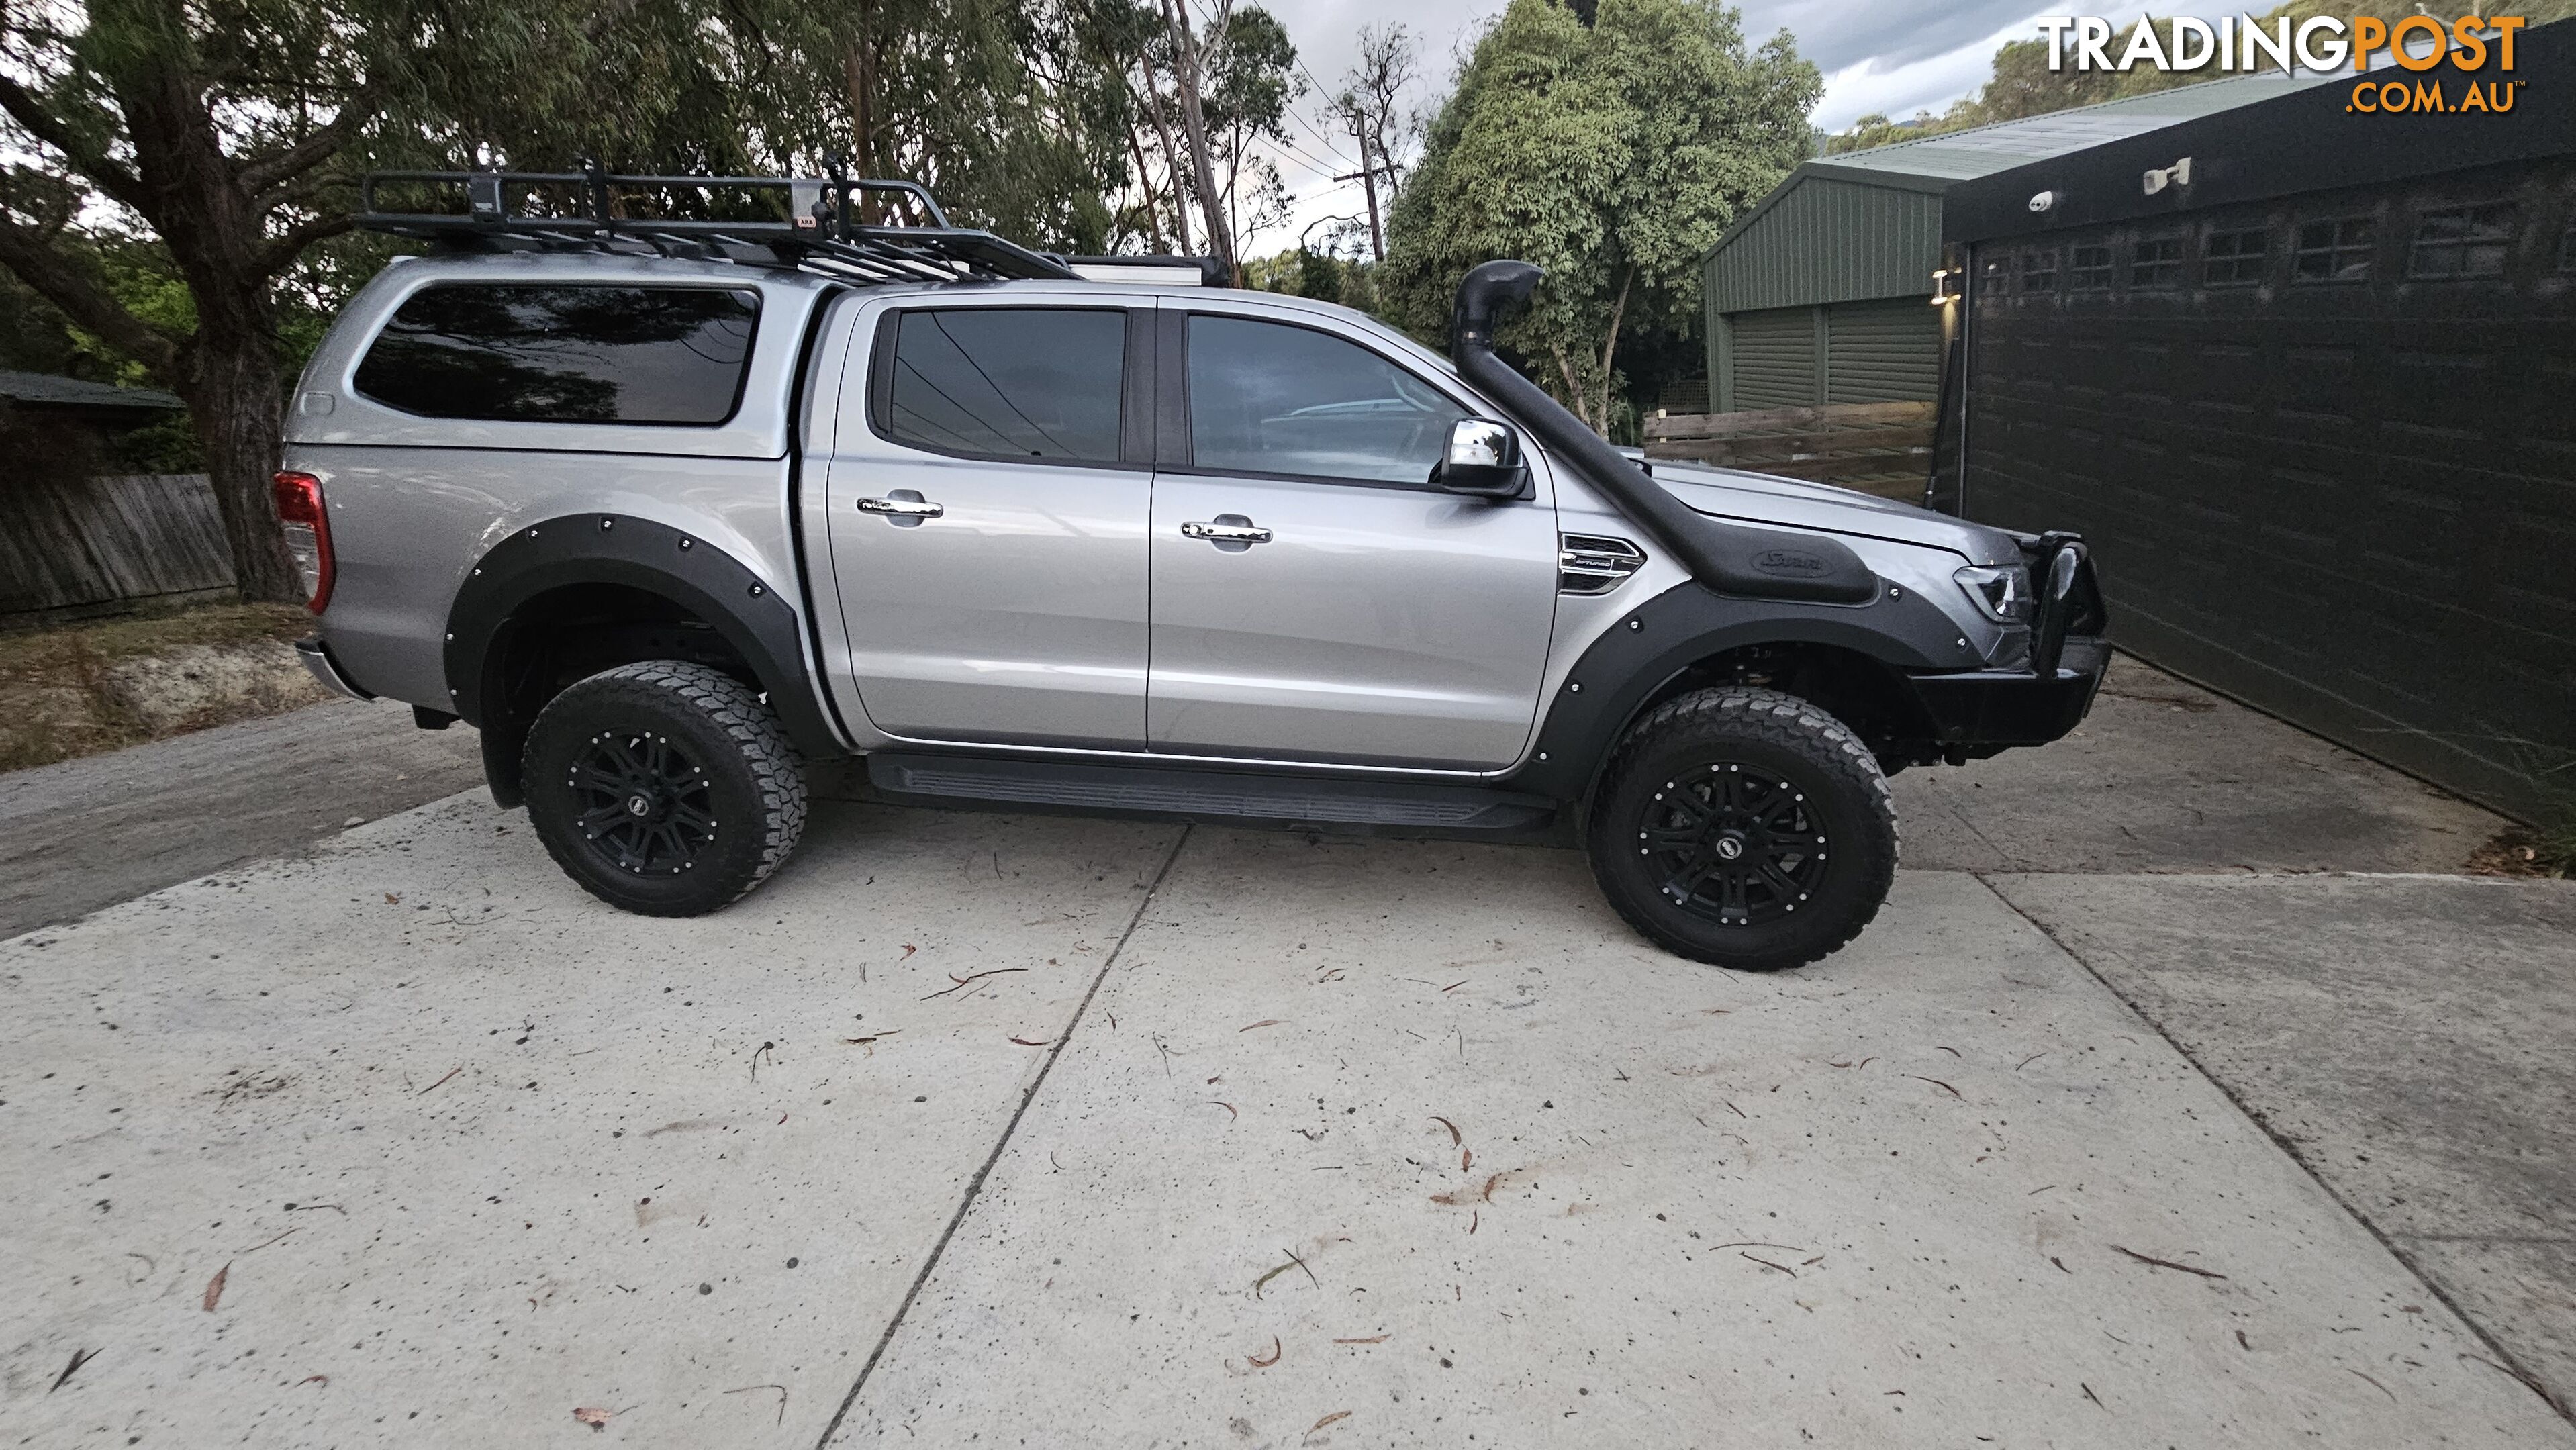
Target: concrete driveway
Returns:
[[2124, 1125], [1059, 1131]]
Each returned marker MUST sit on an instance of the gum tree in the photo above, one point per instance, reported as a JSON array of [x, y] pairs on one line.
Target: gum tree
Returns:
[[223, 132], [1612, 153]]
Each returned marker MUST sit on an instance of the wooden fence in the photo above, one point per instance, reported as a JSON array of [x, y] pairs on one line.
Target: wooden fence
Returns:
[[1879, 448], [69, 543]]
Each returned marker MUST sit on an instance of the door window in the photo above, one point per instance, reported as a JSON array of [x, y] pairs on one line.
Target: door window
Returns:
[[1006, 382], [1268, 397], [565, 354]]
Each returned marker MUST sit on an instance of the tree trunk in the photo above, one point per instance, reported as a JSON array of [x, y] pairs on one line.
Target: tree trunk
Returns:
[[1186, 76], [1610, 348], [235, 400], [1368, 183]]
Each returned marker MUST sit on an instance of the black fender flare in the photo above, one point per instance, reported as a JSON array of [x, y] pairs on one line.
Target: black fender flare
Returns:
[[1686, 624], [748, 611]]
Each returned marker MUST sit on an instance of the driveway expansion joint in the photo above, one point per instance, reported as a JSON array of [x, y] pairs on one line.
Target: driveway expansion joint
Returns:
[[975, 1185]]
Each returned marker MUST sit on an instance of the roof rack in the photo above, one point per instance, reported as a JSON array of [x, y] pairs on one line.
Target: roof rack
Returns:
[[809, 225]]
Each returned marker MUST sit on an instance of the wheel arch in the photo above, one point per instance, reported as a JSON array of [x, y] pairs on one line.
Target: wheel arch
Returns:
[[1849, 659], [596, 590]]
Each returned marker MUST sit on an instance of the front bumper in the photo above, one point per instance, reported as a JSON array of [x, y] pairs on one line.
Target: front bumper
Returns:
[[317, 659], [1977, 712]]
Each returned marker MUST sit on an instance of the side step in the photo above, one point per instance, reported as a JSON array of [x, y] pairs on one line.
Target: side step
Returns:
[[1205, 794]]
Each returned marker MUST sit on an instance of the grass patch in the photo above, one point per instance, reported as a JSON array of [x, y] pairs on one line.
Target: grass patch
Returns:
[[57, 701]]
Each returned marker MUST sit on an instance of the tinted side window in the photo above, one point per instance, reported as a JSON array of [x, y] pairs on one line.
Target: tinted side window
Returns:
[[565, 354], [1008, 382], [1266, 397]]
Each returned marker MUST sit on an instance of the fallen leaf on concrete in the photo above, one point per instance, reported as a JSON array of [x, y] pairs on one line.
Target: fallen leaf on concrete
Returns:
[[1024, 1042], [1264, 1022], [1328, 1419], [1371, 1339], [2528, 1382], [2060, 1263], [2153, 1261], [2374, 1384], [1954, 1052], [1231, 1114], [1936, 1082], [972, 977], [1454, 986], [393, 898], [2027, 1061], [870, 1042], [314, 1379], [1466, 1156], [2242, 1342], [596, 1419], [1766, 1263], [1454, 1137], [1475, 1217], [2088, 1394], [442, 1082], [1294, 1262], [1461, 1197], [1257, 1362], [1756, 1244], [782, 1397], [908, 950], [79, 1357], [215, 1287]]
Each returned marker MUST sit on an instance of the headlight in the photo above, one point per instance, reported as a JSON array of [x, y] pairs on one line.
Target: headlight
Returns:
[[2002, 591]]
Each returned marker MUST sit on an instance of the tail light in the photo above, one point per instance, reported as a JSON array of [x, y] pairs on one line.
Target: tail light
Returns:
[[308, 534]]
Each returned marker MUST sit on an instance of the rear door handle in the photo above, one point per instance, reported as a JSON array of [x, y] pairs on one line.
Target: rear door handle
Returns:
[[903, 507], [1227, 529]]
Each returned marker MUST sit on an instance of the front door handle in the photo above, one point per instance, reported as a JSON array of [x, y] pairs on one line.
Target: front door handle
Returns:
[[1232, 532], [903, 508]]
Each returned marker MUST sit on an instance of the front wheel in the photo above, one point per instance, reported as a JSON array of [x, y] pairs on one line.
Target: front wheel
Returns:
[[665, 787], [1745, 828]]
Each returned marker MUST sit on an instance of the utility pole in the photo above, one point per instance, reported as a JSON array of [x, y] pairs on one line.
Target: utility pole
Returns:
[[1367, 177]]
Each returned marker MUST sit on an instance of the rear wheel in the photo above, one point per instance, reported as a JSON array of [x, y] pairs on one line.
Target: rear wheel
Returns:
[[664, 787], [1745, 828]]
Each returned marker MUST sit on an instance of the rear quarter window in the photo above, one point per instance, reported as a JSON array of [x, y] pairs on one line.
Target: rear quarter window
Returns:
[[565, 354]]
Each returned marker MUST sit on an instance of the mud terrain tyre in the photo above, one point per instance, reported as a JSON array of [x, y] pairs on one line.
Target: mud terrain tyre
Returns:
[[665, 788], [1745, 828]]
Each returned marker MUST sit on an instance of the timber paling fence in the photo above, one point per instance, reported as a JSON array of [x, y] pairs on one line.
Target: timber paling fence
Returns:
[[1879, 448], [70, 544]]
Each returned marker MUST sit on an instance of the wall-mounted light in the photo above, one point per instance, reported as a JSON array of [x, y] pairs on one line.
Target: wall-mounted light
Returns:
[[1943, 288]]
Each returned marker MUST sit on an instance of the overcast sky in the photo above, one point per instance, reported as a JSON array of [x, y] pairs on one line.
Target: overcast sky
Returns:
[[1890, 56]]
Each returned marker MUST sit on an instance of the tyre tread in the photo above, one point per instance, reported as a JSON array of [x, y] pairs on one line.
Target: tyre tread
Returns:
[[737, 710], [1779, 719]]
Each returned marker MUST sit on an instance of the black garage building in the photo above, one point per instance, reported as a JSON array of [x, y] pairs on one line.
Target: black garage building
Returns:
[[2306, 379]]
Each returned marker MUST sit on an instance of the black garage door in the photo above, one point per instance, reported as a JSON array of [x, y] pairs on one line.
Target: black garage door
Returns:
[[2325, 448]]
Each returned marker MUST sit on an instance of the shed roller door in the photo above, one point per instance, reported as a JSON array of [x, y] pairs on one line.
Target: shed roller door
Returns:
[[1882, 352], [1775, 358]]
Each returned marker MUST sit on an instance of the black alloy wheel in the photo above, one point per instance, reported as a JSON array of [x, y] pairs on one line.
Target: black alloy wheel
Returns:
[[1738, 847], [1743, 827], [663, 787], [647, 808]]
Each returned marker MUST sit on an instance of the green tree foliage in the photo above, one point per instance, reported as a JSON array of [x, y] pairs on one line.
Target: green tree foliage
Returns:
[[1612, 154], [2023, 85], [214, 144], [219, 133]]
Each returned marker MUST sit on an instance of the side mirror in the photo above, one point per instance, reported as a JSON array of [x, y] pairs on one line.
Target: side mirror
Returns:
[[1484, 461]]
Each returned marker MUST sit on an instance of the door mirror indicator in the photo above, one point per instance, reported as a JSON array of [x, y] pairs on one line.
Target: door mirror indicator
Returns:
[[1483, 461]]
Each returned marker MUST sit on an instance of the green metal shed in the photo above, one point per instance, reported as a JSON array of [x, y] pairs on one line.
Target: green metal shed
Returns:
[[1823, 292]]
